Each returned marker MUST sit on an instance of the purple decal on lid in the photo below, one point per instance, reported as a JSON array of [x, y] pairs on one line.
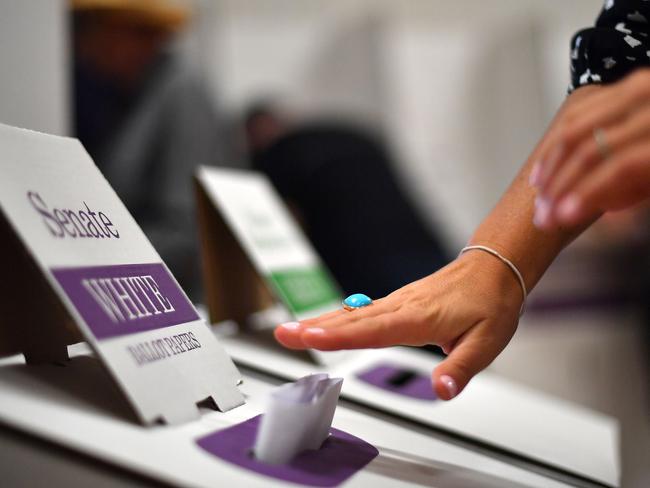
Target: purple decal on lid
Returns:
[[125, 299], [341, 455], [400, 380]]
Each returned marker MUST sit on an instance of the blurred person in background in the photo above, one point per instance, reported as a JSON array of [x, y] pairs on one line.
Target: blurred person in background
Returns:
[[145, 119], [594, 158], [339, 179]]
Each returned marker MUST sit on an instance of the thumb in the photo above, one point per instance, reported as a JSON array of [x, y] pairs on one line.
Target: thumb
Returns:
[[471, 354]]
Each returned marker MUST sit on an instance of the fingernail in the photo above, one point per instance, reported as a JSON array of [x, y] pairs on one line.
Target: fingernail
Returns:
[[542, 212], [315, 331], [533, 179], [568, 208], [290, 325], [450, 385]]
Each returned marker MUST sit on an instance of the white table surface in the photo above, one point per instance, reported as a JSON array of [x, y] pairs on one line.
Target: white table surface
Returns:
[[491, 410], [76, 407]]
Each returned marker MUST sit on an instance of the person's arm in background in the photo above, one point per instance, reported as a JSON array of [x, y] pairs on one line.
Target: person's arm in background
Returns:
[[471, 306]]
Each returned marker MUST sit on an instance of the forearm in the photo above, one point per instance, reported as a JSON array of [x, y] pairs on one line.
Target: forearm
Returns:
[[509, 227]]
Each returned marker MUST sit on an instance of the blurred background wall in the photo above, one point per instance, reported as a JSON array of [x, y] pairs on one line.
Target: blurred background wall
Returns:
[[462, 89], [34, 56]]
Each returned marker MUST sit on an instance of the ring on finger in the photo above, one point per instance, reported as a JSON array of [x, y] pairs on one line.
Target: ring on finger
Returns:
[[358, 300], [603, 146]]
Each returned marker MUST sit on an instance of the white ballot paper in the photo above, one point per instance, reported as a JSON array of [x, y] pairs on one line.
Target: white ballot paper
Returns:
[[298, 418]]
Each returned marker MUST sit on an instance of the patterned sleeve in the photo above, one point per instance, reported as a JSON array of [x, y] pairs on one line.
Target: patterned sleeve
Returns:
[[616, 45]]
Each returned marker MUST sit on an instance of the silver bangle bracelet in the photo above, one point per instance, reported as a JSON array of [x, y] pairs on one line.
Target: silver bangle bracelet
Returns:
[[510, 265]]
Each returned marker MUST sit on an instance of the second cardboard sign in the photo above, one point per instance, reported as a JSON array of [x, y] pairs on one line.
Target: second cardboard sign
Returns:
[[255, 255]]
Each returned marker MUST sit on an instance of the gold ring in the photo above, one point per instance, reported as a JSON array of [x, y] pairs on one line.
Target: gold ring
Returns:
[[600, 137]]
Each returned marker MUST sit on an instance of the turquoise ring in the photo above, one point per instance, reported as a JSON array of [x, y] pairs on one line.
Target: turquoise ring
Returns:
[[358, 300]]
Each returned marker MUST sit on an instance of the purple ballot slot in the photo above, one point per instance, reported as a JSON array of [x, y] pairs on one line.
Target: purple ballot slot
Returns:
[[399, 380], [340, 457], [125, 299]]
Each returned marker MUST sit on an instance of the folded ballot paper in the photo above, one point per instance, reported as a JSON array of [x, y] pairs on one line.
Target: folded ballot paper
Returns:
[[298, 418]]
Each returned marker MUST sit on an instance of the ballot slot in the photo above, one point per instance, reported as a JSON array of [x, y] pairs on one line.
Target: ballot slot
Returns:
[[83, 270], [258, 266], [340, 457], [399, 380], [294, 439]]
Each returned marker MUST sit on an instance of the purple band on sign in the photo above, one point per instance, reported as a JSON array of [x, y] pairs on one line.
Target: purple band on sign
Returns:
[[402, 381], [341, 455], [125, 299]]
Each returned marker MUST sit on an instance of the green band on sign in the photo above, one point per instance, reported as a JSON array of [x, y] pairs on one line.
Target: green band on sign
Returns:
[[306, 288]]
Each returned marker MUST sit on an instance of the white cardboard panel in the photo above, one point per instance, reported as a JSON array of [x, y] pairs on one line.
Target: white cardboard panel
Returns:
[[272, 240], [252, 208], [76, 230]]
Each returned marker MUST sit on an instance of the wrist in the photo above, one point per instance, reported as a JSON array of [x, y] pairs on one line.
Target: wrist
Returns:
[[495, 277]]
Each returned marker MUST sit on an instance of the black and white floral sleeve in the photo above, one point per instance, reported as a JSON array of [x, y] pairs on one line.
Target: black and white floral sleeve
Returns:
[[616, 45]]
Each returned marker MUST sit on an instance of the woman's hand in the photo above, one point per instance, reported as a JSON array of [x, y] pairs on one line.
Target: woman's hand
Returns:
[[580, 176], [470, 308]]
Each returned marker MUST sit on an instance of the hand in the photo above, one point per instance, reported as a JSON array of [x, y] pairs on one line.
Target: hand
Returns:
[[577, 179], [470, 308]]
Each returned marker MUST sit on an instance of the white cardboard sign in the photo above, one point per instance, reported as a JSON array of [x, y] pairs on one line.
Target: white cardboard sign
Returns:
[[82, 269], [245, 225]]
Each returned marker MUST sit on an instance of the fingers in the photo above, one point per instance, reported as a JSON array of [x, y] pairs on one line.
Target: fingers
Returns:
[[288, 335], [373, 332], [326, 316], [588, 155], [292, 334], [566, 175], [353, 334], [620, 182], [473, 352], [554, 133], [601, 108], [342, 316], [379, 327], [565, 133], [572, 157]]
